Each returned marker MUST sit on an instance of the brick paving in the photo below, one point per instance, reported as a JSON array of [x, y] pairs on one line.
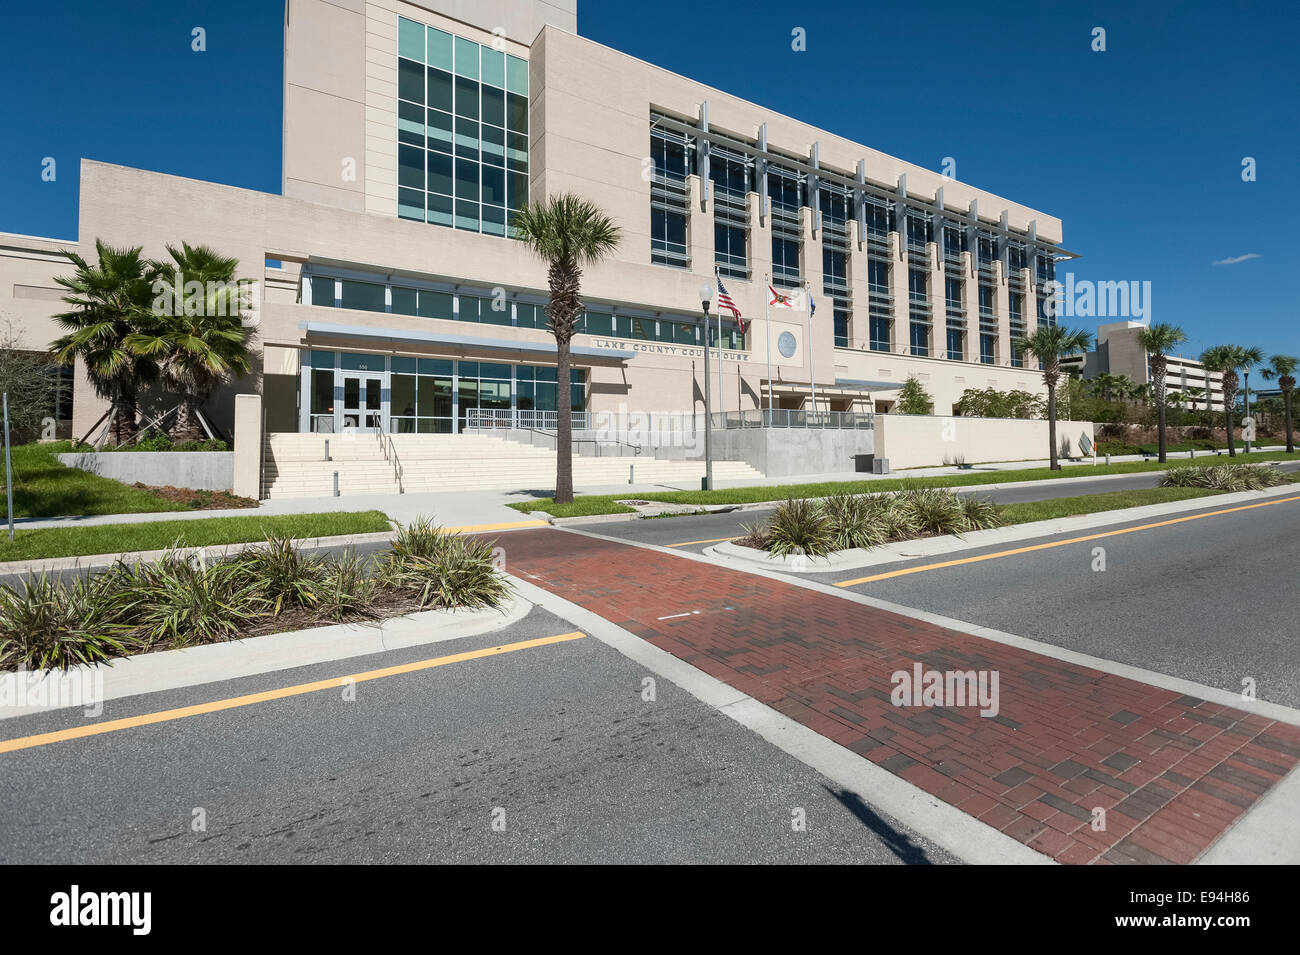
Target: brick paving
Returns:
[[1171, 772]]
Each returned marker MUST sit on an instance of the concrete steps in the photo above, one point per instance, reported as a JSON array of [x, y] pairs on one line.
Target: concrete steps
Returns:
[[295, 466]]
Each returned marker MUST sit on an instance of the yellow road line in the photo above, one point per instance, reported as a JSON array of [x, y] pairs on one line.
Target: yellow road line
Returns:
[[714, 540], [163, 716], [1073, 540], [507, 526]]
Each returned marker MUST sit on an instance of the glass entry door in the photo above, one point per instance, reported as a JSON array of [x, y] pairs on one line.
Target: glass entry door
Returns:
[[363, 405]]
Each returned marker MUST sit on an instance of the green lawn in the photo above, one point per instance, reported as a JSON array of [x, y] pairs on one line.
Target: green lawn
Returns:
[[1029, 511], [45, 488], [158, 535], [605, 504]]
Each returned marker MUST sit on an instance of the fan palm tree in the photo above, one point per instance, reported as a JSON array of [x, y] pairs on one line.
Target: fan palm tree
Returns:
[[567, 232], [1159, 340], [1282, 368], [1228, 360], [111, 301], [199, 339], [1049, 344]]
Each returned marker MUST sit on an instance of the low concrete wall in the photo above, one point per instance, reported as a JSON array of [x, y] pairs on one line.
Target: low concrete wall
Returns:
[[199, 470], [910, 441], [785, 452]]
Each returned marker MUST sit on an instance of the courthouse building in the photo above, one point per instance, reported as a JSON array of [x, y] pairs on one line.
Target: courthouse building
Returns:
[[391, 295]]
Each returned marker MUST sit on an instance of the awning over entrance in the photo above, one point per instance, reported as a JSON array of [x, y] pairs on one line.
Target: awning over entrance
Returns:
[[463, 343]]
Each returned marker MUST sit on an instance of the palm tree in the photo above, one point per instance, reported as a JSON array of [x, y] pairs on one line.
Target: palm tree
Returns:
[[1049, 344], [199, 340], [1158, 340], [110, 301], [567, 232], [1228, 360], [1282, 367]]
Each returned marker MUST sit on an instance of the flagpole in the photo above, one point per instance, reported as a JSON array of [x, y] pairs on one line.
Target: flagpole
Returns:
[[767, 325], [722, 384], [812, 378]]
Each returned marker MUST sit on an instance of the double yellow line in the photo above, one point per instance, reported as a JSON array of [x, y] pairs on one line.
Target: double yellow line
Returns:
[[1061, 543], [179, 713]]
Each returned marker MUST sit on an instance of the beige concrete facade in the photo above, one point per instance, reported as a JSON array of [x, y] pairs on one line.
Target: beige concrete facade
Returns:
[[589, 131]]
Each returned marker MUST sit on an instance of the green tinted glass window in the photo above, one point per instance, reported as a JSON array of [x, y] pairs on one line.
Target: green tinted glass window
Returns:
[[410, 39], [466, 58], [494, 67], [403, 300], [517, 75], [434, 305], [439, 51], [322, 291], [366, 296]]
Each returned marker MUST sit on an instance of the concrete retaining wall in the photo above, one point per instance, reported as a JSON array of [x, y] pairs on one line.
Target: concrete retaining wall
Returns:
[[911, 441], [199, 470]]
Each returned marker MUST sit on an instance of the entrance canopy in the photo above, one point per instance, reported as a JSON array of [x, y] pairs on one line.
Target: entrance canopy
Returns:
[[457, 343]]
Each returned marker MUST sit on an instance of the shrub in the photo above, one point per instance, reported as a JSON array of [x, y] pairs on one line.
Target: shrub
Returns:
[[442, 569], [50, 625], [854, 521], [345, 588], [180, 602], [279, 574], [932, 510], [800, 527], [1225, 477]]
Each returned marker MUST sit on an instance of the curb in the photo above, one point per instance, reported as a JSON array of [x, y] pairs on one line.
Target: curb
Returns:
[[950, 543], [217, 551], [250, 656]]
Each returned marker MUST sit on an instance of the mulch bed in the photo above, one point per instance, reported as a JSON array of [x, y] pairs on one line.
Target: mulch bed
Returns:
[[198, 500]]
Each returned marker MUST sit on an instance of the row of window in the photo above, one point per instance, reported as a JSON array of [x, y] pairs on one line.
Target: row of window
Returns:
[[462, 131], [425, 395], [397, 299]]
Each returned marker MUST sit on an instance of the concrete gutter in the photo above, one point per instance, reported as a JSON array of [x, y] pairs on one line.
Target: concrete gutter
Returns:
[[212, 663]]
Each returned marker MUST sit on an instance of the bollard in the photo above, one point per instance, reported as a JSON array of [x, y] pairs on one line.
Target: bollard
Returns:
[[327, 449], [1107, 460], [631, 474], [1192, 454], [336, 483]]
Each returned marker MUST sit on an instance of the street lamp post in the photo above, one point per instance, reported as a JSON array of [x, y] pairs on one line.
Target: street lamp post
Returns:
[[1247, 384], [706, 296]]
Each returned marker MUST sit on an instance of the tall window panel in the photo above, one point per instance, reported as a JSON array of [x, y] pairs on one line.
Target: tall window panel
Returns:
[[879, 304], [1016, 319], [670, 153], [834, 204], [462, 131], [955, 318], [918, 312], [784, 190], [732, 182], [988, 324]]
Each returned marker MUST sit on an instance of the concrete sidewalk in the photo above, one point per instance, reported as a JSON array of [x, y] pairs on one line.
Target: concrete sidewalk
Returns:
[[488, 506]]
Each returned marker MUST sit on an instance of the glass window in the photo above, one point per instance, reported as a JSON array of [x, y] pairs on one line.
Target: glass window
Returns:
[[494, 67], [439, 90], [403, 301], [410, 124], [410, 204], [466, 98], [494, 106], [920, 339], [516, 75], [434, 305], [494, 311], [988, 348], [517, 112], [879, 330], [410, 81], [401, 400], [468, 308], [321, 359], [440, 130], [440, 173], [366, 296], [410, 166], [436, 366], [956, 351], [322, 291], [322, 391], [439, 49], [355, 361], [410, 39], [466, 58]]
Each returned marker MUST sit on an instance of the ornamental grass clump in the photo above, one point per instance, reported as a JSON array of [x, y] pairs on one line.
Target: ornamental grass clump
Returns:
[[846, 521], [1225, 477], [183, 600]]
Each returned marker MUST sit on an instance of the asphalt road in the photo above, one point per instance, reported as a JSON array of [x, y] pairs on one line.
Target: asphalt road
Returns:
[[695, 532], [555, 740], [1212, 600]]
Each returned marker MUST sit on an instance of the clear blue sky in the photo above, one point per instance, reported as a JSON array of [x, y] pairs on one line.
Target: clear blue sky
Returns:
[[1138, 149]]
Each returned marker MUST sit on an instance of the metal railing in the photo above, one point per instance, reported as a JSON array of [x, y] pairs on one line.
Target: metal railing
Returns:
[[523, 419], [790, 418]]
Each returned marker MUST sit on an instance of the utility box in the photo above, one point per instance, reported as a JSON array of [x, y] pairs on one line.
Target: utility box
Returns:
[[862, 463], [880, 466]]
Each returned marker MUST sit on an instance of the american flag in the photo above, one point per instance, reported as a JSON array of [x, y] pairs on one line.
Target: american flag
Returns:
[[726, 301]]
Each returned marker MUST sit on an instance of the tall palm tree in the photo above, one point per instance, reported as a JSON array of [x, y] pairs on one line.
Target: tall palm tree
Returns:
[[1228, 360], [199, 340], [111, 301], [1159, 340], [1282, 368], [567, 232], [1049, 344]]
